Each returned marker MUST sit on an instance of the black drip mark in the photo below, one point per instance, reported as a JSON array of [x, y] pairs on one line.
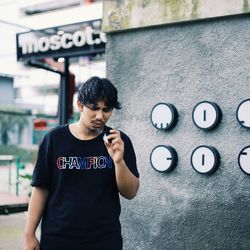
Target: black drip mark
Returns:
[[244, 153], [242, 121], [204, 115], [203, 159], [161, 125]]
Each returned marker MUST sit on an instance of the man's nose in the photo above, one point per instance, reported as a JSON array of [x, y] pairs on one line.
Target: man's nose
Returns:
[[99, 115]]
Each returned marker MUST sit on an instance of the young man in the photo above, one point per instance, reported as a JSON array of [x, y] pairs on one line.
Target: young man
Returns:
[[81, 168]]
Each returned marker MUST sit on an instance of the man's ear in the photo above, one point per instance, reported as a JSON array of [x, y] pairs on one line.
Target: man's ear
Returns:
[[80, 106]]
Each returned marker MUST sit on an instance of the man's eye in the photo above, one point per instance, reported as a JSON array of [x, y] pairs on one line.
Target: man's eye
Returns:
[[107, 110], [93, 107]]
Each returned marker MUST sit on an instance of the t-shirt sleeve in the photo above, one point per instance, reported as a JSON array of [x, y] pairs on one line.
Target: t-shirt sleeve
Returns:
[[42, 172], [129, 155]]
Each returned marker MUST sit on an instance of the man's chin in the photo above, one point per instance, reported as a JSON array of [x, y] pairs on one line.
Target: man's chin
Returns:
[[97, 128]]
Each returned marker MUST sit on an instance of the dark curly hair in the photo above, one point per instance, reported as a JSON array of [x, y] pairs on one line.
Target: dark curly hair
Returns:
[[97, 89]]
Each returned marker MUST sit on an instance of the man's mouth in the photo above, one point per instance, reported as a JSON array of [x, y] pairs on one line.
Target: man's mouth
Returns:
[[98, 124]]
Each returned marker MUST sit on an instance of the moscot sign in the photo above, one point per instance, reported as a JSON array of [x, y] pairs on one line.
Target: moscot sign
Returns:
[[69, 40]]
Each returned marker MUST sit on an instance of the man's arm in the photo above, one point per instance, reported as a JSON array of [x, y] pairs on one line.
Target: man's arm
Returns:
[[37, 204], [127, 182]]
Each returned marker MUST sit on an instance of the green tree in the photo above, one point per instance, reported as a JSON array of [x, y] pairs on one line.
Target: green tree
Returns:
[[245, 6], [10, 118]]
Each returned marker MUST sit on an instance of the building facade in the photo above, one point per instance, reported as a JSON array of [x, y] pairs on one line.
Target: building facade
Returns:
[[184, 64]]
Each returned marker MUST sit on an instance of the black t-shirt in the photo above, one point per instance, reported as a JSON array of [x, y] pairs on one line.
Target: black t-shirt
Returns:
[[83, 205]]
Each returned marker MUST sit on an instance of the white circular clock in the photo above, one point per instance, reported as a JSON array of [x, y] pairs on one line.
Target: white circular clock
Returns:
[[244, 160], [163, 158], [205, 159], [243, 113], [206, 115], [164, 116]]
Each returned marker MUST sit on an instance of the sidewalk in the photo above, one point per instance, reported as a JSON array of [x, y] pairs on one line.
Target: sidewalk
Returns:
[[11, 231], [10, 203]]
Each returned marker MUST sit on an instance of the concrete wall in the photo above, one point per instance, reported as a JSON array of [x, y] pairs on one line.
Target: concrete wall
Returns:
[[184, 64], [121, 14]]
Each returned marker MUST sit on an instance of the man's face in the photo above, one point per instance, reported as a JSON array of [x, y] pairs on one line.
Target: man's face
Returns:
[[94, 116]]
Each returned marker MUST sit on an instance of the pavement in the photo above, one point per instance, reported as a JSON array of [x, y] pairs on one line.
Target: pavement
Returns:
[[11, 231], [9, 199], [10, 203], [12, 221], [8, 180], [12, 225]]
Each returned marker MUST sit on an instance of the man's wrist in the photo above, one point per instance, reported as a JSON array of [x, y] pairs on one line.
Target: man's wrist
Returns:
[[29, 233], [120, 163]]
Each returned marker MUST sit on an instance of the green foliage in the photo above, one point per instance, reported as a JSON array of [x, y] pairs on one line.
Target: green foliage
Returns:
[[245, 6], [10, 117], [27, 178], [25, 155]]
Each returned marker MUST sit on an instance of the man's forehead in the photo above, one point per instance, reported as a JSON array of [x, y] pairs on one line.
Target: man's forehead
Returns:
[[101, 104]]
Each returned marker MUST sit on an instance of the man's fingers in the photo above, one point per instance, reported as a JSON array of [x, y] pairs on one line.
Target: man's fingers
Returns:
[[114, 131], [107, 144], [116, 140], [113, 134]]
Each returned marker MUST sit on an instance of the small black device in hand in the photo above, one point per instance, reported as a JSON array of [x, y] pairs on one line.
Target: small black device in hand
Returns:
[[106, 133]]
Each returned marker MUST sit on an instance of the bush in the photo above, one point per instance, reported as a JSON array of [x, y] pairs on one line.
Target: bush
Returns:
[[25, 155]]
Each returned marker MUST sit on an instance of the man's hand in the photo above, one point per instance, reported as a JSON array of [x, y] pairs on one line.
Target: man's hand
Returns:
[[31, 242], [37, 203], [127, 183], [115, 146]]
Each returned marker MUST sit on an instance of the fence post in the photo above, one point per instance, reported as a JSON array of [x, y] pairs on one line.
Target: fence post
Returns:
[[19, 165]]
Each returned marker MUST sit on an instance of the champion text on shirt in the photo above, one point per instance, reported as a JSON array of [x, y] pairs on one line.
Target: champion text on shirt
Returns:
[[94, 162]]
